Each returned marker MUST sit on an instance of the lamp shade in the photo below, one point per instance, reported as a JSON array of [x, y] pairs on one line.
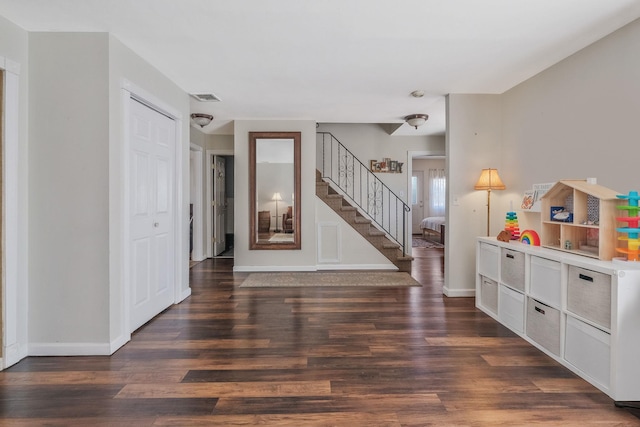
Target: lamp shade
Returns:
[[276, 196], [489, 180], [416, 120], [201, 119]]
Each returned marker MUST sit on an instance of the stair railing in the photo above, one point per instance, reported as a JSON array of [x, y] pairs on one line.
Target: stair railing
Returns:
[[355, 181]]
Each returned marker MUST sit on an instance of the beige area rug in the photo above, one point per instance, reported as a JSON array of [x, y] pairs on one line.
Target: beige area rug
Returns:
[[420, 242], [281, 237], [323, 278]]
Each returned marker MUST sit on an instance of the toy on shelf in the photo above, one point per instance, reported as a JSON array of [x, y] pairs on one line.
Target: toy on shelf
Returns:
[[511, 225], [530, 237], [632, 251]]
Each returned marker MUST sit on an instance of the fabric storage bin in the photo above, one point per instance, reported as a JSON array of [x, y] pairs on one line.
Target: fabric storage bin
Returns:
[[489, 294], [511, 308], [589, 295], [488, 260], [588, 349], [544, 282], [543, 325], [512, 268]]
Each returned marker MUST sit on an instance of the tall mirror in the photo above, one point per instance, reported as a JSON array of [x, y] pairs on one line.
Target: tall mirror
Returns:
[[274, 190]]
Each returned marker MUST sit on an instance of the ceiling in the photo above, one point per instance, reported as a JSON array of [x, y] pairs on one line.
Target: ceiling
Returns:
[[337, 61]]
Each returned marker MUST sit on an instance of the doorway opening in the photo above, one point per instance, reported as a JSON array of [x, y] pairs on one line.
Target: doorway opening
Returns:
[[220, 204]]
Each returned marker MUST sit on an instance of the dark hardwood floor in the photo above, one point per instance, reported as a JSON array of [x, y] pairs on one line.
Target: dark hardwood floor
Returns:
[[230, 356]]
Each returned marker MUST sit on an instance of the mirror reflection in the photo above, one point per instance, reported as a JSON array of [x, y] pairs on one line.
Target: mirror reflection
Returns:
[[275, 183]]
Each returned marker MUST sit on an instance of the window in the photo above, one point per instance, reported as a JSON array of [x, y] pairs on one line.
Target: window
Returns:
[[437, 191]]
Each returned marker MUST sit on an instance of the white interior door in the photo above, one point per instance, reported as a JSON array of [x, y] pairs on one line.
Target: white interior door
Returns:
[[152, 230], [417, 200], [219, 204]]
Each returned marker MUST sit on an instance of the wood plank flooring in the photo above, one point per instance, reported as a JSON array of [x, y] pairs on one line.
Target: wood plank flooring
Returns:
[[230, 356]]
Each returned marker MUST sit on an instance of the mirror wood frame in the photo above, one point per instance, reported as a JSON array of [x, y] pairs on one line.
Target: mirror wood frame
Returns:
[[254, 243]]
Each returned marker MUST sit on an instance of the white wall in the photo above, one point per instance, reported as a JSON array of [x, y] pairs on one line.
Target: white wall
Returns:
[[371, 141], [304, 259], [127, 66], [76, 298], [577, 119], [340, 247], [68, 191], [473, 143]]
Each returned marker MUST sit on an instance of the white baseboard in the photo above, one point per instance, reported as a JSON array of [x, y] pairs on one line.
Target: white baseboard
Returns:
[[185, 294], [320, 267], [259, 268], [459, 293], [13, 354], [69, 349], [389, 267], [119, 342]]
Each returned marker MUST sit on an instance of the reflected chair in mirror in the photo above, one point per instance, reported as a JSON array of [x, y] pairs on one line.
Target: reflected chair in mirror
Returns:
[[264, 221], [287, 220]]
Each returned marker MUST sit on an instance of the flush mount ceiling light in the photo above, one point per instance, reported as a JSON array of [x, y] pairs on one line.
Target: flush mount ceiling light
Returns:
[[417, 93], [416, 120], [201, 119]]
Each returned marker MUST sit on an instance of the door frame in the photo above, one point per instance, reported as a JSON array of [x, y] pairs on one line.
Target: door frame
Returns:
[[198, 224], [208, 197], [132, 93], [14, 265], [420, 196]]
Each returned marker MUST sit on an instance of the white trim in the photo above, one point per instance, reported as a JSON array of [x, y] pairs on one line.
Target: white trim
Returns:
[[198, 223], [357, 267], [185, 294], [254, 268], [458, 293], [119, 342], [9, 66], [14, 293], [320, 242], [131, 92], [69, 349], [208, 198]]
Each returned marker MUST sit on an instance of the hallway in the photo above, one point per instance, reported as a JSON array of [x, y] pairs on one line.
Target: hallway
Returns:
[[309, 357]]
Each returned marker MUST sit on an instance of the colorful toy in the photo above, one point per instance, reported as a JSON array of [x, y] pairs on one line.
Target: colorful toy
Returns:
[[511, 225], [632, 231], [504, 236], [530, 237]]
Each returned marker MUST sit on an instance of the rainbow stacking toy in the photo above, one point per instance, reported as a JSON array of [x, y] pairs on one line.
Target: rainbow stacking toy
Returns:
[[632, 230], [511, 225]]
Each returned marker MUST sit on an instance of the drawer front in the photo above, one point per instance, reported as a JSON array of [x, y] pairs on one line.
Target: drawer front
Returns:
[[588, 349], [512, 268], [488, 260], [545, 281], [589, 295], [543, 325], [489, 294], [511, 308]]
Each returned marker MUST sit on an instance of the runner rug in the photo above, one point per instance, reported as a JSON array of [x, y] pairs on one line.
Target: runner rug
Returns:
[[321, 278]]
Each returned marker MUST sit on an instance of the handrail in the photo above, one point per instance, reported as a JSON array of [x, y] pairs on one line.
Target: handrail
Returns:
[[372, 197]]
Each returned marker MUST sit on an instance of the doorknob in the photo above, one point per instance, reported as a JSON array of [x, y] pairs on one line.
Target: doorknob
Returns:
[[156, 224]]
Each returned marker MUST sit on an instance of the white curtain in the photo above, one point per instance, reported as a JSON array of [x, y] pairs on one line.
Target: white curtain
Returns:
[[437, 191]]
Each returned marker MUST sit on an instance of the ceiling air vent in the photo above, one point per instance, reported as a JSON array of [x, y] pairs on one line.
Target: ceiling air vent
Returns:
[[205, 97]]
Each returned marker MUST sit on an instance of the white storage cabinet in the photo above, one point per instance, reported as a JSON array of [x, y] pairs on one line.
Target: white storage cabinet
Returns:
[[584, 313]]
